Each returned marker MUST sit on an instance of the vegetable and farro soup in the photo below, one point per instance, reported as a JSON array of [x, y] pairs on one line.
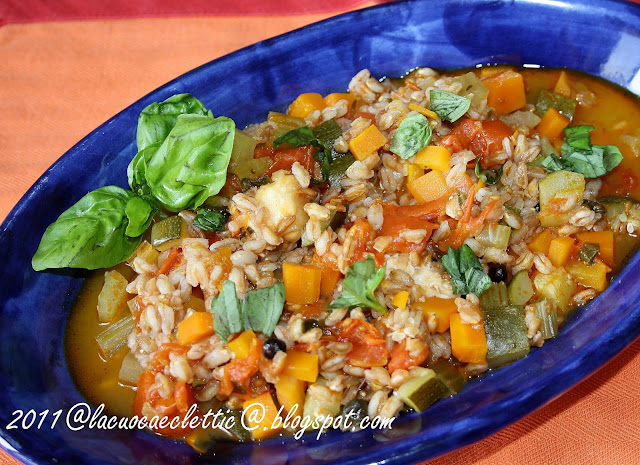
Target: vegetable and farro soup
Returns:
[[364, 253]]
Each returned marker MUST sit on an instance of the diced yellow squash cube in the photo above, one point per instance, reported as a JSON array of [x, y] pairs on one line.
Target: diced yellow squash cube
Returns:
[[260, 415], [400, 299], [414, 171], [331, 99], [441, 308], [423, 111], [367, 142], [301, 365], [241, 345], [305, 104], [594, 275], [434, 157], [431, 186]]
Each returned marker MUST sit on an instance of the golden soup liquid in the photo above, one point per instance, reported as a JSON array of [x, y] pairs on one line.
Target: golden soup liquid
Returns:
[[615, 112]]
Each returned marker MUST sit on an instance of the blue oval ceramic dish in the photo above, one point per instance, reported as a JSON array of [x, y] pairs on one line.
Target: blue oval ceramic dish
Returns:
[[599, 37]]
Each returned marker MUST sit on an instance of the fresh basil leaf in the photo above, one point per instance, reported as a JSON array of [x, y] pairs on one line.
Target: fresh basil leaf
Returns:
[[413, 134], [191, 164], [211, 219], [359, 284], [580, 156], [297, 137], [227, 314], [158, 119], [448, 106], [139, 212], [136, 171], [259, 311], [262, 308], [465, 270], [90, 234], [490, 177], [546, 99]]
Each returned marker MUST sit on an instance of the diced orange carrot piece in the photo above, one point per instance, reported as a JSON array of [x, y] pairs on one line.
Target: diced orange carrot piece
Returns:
[[562, 86], [468, 342], [305, 104], [367, 142], [541, 242], [429, 187], [260, 414], [506, 92], [552, 124], [291, 392], [414, 171], [560, 250], [605, 240], [301, 283], [441, 308], [435, 157], [330, 278], [331, 99], [196, 326], [301, 365]]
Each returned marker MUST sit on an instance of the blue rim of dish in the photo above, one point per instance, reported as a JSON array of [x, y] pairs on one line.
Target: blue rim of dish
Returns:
[[513, 404]]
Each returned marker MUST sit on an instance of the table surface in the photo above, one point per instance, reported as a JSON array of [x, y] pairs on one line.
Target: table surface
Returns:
[[61, 79]]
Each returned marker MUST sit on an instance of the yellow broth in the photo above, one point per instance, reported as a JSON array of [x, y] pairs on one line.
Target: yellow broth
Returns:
[[615, 113]]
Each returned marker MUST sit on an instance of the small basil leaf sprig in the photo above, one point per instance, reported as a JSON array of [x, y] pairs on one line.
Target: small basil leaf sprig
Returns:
[[259, 311], [359, 284], [467, 275], [413, 134], [448, 106]]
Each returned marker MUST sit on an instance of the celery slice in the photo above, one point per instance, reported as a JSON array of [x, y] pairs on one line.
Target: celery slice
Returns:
[[549, 316], [495, 235], [495, 296], [114, 338], [506, 332]]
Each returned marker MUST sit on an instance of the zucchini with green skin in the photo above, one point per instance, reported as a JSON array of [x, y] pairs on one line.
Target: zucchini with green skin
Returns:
[[242, 163], [506, 333], [321, 401], [169, 233], [449, 375], [422, 391], [520, 288], [496, 296], [560, 192]]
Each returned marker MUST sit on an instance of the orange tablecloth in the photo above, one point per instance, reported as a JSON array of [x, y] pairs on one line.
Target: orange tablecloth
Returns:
[[60, 80]]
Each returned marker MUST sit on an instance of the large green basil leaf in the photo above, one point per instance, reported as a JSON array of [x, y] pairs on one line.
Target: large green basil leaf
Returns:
[[139, 213], [191, 164], [90, 234], [156, 120], [136, 171]]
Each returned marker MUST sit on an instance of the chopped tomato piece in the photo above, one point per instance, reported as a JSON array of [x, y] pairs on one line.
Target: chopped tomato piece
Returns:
[[176, 405], [284, 159], [369, 348], [362, 235], [400, 218], [161, 358], [481, 137], [240, 371], [401, 358], [619, 181]]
